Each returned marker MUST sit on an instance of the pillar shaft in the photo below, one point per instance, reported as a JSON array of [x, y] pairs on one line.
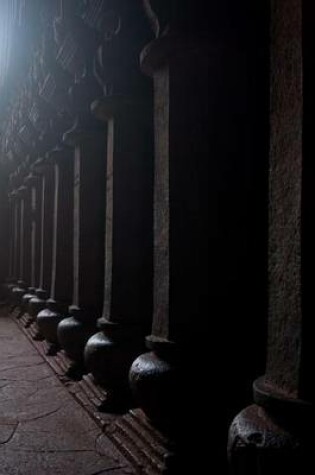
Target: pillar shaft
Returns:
[[11, 237], [62, 256], [290, 209], [36, 238], [88, 222], [285, 205], [128, 234], [46, 226], [16, 236], [277, 432], [27, 238], [23, 233], [19, 243]]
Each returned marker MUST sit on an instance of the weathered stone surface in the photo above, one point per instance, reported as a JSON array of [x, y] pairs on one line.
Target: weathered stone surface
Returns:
[[285, 208], [42, 429]]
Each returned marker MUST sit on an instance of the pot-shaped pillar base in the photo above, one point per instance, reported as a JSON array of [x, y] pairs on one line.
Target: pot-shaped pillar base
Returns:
[[73, 333], [48, 320], [30, 294], [109, 354], [267, 442], [154, 382], [7, 288], [37, 303], [26, 298], [17, 293]]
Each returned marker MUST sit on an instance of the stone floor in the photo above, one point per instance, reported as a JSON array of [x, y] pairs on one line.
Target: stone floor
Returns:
[[43, 430]]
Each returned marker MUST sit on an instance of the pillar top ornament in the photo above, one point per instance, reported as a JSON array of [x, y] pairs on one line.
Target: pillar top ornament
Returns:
[[159, 15], [13, 195], [41, 165], [31, 179], [60, 152], [177, 28], [21, 192]]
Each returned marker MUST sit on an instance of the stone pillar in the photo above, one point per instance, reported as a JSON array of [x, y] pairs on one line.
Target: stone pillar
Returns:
[[34, 184], [5, 224], [44, 169], [176, 60], [19, 214], [62, 247], [275, 435], [26, 256], [11, 235], [128, 235], [16, 225], [128, 245], [88, 245], [16, 233], [47, 169], [12, 277]]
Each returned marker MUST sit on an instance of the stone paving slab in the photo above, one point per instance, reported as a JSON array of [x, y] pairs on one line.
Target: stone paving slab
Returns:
[[43, 430]]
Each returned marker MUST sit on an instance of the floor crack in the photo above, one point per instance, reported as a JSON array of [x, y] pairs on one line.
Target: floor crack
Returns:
[[42, 416], [21, 367], [108, 469], [11, 435]]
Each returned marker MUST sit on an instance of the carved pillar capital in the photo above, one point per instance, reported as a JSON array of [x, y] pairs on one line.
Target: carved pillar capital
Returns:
[[159, 15]]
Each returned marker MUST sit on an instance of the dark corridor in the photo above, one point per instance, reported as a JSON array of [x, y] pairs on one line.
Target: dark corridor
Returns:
[[156, 229]]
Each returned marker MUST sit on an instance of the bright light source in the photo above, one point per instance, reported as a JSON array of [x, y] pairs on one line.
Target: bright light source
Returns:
[[8, 15]]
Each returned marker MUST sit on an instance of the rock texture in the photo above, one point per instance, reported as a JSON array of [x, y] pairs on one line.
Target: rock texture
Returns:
[[42, 428]]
